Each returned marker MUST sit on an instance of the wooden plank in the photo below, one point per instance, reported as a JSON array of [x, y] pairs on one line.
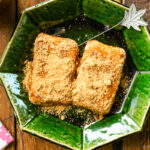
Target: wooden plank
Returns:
[[4, 4], [7, 23], [146, 135], [132, 142], [106, 147]]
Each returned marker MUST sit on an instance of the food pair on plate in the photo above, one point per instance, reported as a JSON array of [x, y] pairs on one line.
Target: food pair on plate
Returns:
[[57, 76]]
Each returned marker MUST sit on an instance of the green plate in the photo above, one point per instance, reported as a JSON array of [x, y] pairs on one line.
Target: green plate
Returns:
[[81, 20]]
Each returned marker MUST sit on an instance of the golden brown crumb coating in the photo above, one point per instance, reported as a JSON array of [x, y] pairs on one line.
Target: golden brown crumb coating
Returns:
[[48, 78], [98, 77]]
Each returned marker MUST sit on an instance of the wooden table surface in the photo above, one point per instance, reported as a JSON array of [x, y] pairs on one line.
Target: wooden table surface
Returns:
[[23, 141]]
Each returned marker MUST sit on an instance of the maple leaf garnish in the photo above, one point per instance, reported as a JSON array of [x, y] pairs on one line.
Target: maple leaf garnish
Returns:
[[132, 18]]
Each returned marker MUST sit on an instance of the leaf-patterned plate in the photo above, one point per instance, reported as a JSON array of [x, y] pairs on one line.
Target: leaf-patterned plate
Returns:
[[81, 20]]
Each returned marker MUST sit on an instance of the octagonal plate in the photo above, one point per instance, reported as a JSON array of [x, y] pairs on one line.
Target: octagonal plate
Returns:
[[81, 19]]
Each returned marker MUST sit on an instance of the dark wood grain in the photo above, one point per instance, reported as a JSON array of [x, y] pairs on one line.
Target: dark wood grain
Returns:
[[106, 147], [146, 136], [132, 142], [7, 23], [4, 4]]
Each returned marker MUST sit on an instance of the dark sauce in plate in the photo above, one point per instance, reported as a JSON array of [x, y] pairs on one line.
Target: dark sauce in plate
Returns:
[[81, 29]]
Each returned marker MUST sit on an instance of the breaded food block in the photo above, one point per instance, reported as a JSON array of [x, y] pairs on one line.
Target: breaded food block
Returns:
[[48, 78], [98, 77]]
